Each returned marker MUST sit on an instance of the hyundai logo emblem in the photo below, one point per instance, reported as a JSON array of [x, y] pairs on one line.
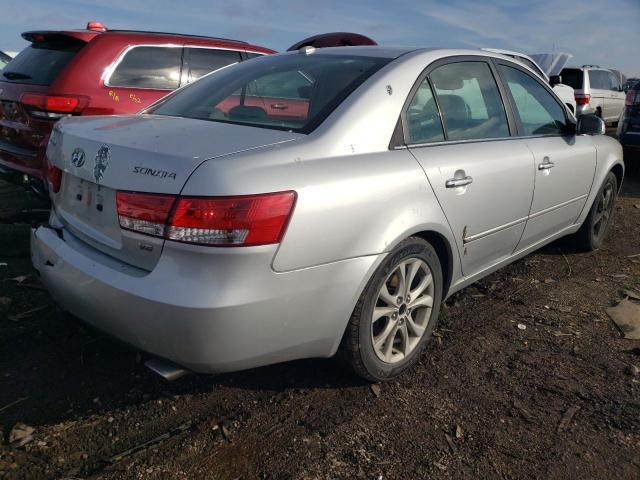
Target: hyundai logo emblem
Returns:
[[77, 157]]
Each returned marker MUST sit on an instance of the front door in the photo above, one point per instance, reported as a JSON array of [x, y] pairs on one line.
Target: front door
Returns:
[[564, 162], [481, 176]]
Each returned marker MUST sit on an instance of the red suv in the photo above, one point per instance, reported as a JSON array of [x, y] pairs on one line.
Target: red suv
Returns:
[[94, 72]]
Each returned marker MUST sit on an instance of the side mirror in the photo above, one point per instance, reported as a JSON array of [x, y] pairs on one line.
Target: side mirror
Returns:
[[590, 125], [555, 80]]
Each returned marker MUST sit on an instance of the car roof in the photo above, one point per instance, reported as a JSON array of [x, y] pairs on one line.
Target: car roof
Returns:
[[88, 35]]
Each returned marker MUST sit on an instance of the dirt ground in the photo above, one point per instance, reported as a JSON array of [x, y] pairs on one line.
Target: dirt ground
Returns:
[[558, 399]]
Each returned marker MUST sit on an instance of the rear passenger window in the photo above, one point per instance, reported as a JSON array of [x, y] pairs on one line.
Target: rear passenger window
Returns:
[[422, 120], [149, 67], [206, 60], [540, 113], [598, 79], [470, 101]]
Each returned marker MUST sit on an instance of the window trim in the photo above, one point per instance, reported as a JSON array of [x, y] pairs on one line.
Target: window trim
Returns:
[[520, 128], [487, 60]]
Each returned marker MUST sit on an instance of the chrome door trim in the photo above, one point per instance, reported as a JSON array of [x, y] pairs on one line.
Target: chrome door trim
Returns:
[[478, 236], [556, 207]]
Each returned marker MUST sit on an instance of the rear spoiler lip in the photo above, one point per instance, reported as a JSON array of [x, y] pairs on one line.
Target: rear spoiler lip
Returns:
[[81, 35]]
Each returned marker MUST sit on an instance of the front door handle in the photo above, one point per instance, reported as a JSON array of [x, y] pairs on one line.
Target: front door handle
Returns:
[[546, 165], [458, 182], [279, 106]]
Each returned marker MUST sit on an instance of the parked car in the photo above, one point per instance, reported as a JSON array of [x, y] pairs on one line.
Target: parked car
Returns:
[[630, 83], [598, 91], [334, 39], [557, 61], [94, 72], [4, 59], [220, 233], [629, 128]]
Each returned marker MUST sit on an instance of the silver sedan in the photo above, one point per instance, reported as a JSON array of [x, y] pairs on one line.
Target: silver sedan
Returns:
[[316, 202]]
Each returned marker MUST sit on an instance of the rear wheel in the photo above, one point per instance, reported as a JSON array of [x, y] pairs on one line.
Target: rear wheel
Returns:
[[594, 229], [396, 313]]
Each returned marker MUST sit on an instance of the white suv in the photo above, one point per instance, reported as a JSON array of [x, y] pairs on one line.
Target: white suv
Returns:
[[598, 91]]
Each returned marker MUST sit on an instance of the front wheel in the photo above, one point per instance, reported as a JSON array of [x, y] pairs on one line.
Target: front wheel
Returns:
[[594, 229], [396, 312]]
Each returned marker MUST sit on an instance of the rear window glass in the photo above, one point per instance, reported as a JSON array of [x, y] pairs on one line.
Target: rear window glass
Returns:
[[40, 63], [572, 77], [149, 67], [286, 92], [206, 60]]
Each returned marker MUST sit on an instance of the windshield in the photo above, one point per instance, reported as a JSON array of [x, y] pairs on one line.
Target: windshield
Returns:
[[287, 92]]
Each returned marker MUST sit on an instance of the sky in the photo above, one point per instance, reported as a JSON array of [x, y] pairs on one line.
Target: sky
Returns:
[[602, 32]]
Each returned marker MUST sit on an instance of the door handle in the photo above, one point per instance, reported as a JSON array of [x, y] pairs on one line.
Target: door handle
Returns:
[[279, 106], [458, 182], [546, 165]]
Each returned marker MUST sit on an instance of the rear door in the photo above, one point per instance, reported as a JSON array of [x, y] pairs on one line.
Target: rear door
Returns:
[[457, 127], [142, 75], [565, 162]]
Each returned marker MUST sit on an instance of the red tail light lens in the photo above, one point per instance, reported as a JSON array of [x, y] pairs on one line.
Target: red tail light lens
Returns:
[[54, 177], [144, 212], [52, 106], [245, 220], [582, 99], [632, 98], [216, 221]]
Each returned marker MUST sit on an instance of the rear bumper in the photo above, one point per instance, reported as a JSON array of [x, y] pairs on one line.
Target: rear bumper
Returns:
[[585, 110], [218, 311], [22, 162]]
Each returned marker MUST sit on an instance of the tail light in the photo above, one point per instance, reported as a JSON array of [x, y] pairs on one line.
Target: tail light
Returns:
[[54, 177], [582, 99], [216, 221], [53, 106], [632, 98]]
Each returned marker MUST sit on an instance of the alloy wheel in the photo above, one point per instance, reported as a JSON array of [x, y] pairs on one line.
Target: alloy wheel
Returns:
[[403, 310]]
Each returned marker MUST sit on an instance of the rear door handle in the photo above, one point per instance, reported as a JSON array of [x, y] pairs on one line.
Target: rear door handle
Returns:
[[279, 106], [458, 182]]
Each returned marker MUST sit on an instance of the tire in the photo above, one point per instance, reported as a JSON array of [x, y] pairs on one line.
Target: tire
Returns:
[[406, 323], [592, 231]]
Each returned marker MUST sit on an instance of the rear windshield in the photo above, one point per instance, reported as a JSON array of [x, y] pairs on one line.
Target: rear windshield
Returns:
[[572, 77], [40, 63], [285, 92]]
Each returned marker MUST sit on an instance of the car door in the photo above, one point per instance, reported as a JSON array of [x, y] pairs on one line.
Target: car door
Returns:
[[457, 127], [614, 103], [565, 162]]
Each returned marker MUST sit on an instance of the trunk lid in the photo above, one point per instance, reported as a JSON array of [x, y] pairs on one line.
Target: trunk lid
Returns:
[[141, 153]]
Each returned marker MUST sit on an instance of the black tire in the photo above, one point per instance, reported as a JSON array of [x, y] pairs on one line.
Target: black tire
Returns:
[[357, 348], [593, 232]]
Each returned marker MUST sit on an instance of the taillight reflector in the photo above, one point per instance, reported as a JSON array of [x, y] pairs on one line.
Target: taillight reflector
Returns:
[[582, 99], [144, 212], [54, 177], [52, 106], [216, 221]]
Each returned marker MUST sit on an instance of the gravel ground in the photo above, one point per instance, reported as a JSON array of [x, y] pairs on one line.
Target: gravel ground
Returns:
[[558, 399]]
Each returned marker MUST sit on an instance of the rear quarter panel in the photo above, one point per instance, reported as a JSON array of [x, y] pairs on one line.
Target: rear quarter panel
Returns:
[[347, 206]]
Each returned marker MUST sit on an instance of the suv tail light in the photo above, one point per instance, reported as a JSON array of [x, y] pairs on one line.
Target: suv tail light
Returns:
[[53, 106], [582, 99], [54, 177], [216, 221], [632, 98]]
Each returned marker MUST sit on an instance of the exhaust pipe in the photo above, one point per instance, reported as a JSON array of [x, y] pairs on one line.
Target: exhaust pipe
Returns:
[[167, 370]]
